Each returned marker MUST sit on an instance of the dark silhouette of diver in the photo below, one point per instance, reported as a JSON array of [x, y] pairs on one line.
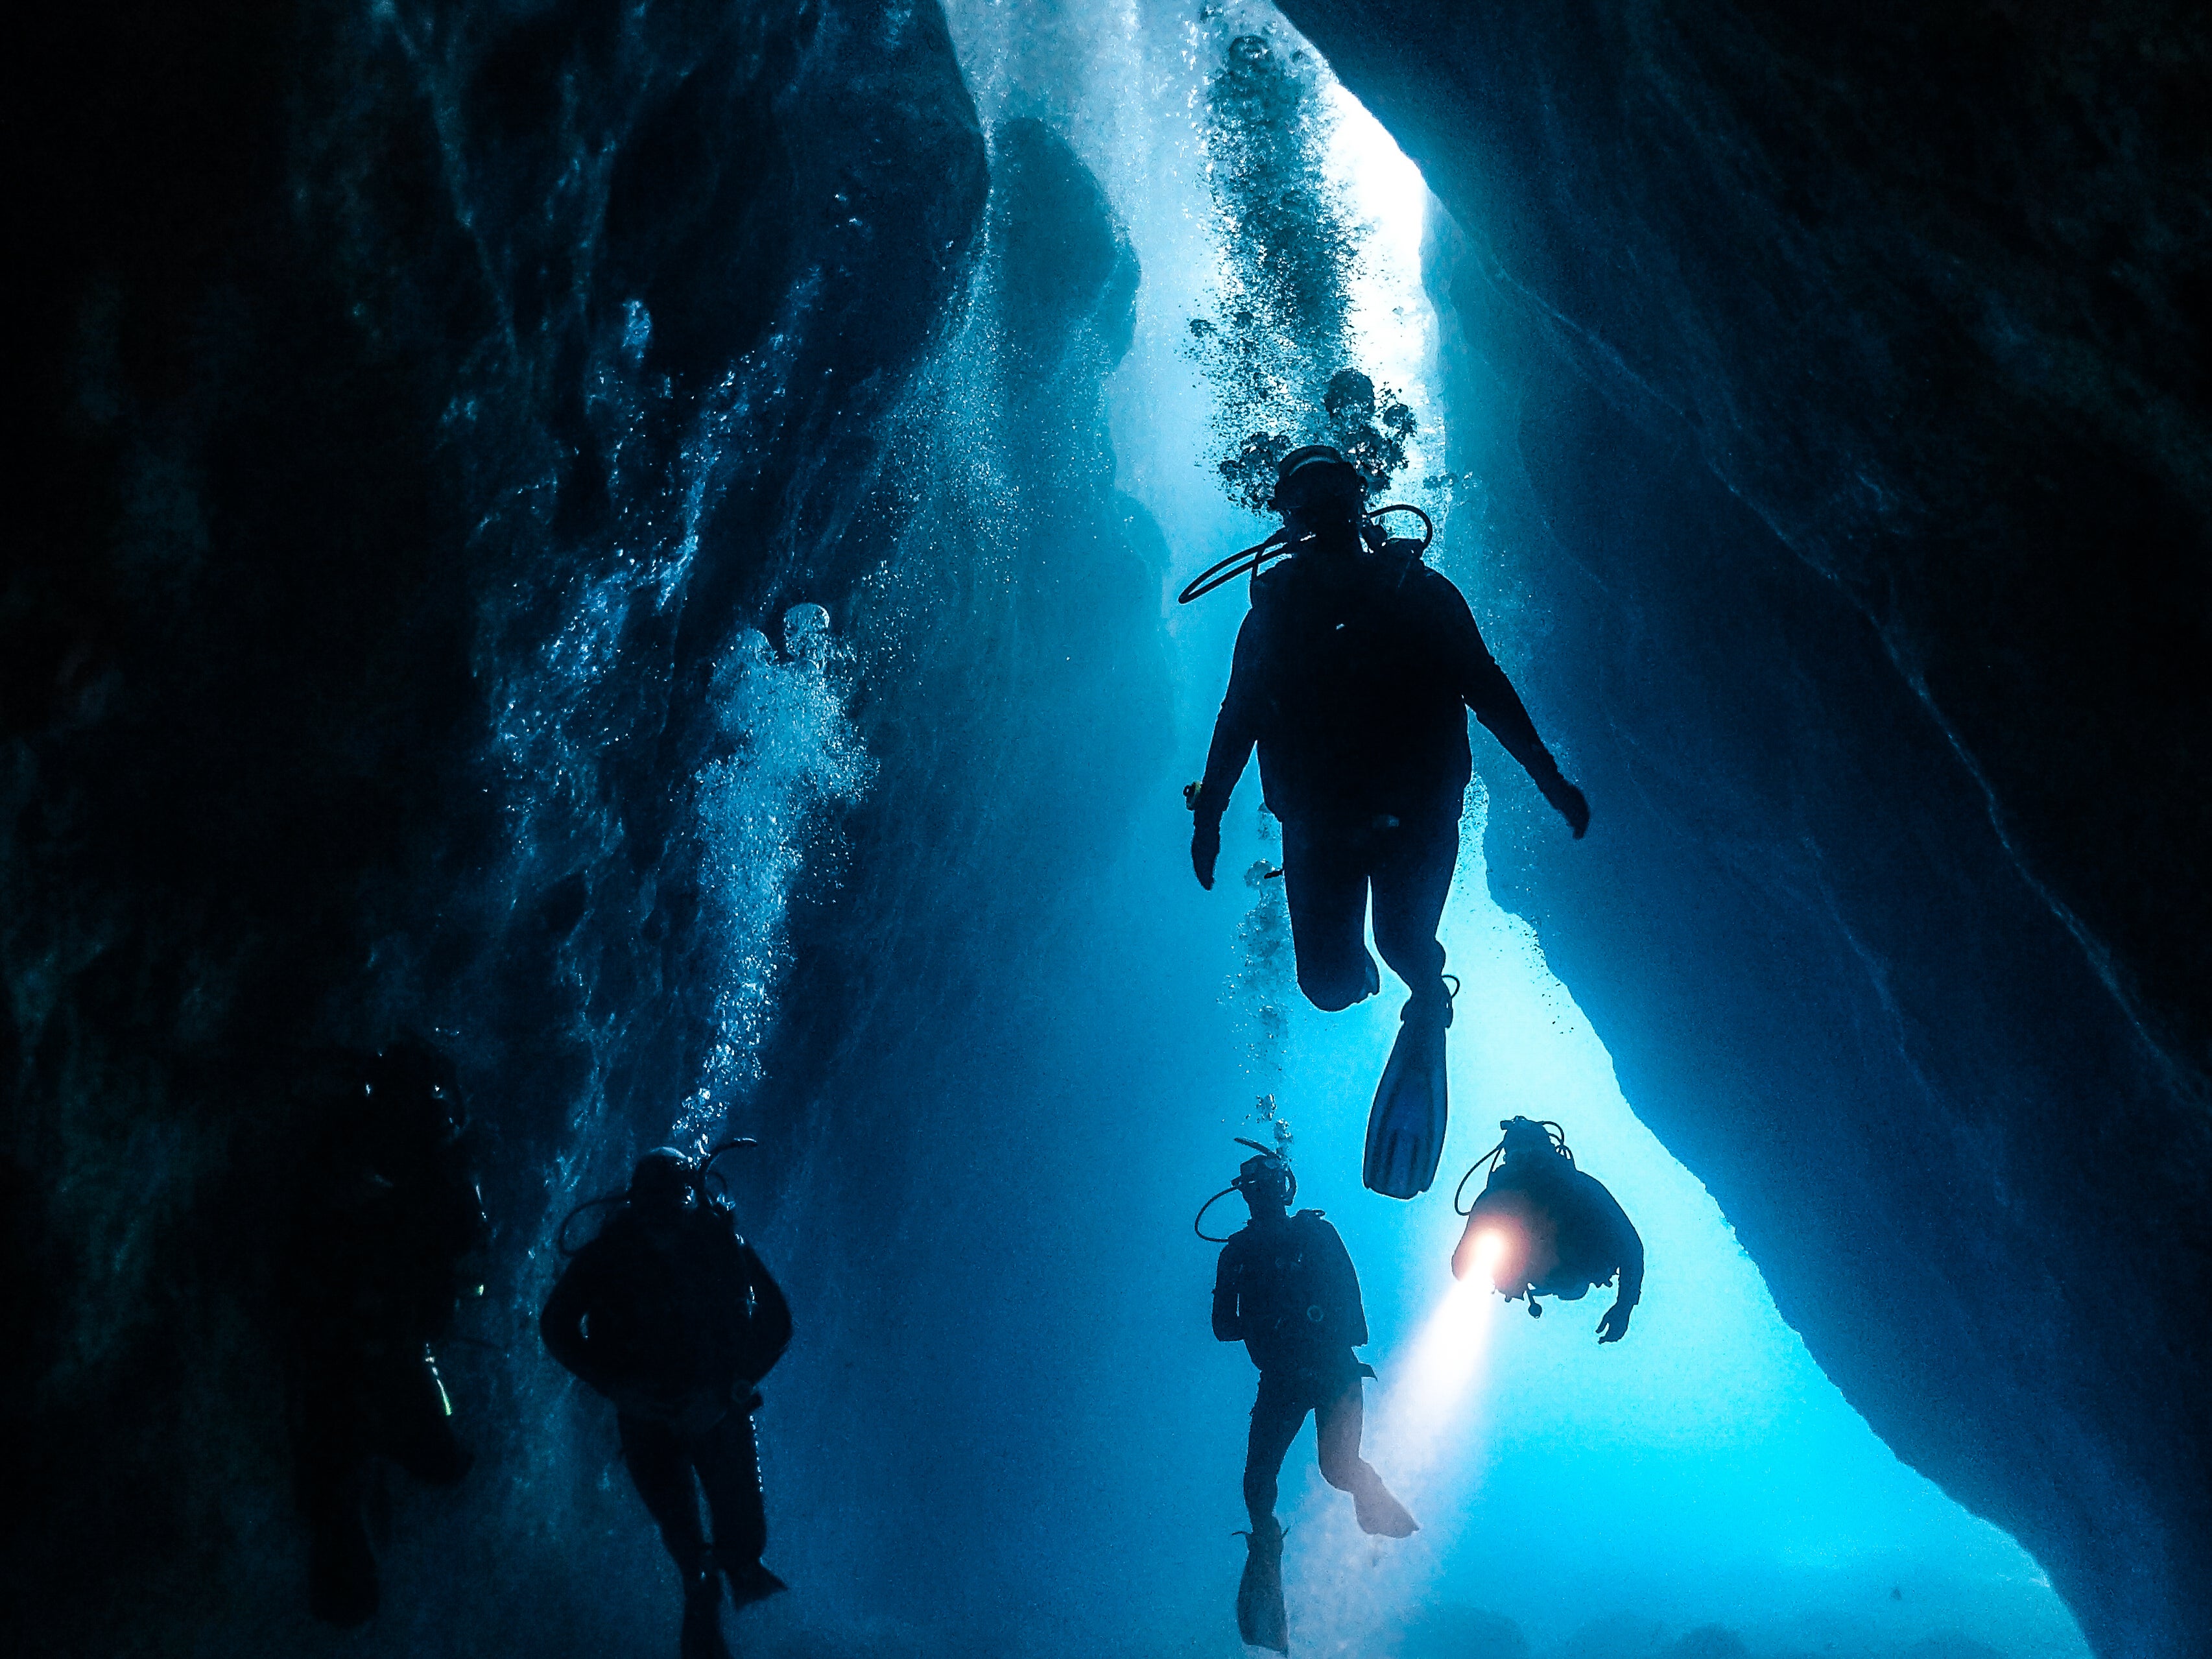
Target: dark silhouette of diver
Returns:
[[1542, 1227], [386, 1219], [1286, 1289], [1353, 674], [675, 1318]]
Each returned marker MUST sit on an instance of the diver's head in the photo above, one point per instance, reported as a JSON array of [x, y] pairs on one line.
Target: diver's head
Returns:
[[1267, 1184], [1316, 490], [663, 1180]]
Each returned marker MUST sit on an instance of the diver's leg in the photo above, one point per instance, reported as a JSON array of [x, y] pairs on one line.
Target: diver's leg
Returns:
[[1405, 1128], [661, 1472], [1325, 885], [660, 1469], [727, 1457], [1412, 879], [330, 1459], [1337, 1425], [1277, 1416]]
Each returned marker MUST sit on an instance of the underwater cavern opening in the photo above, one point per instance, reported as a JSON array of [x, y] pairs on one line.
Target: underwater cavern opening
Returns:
[[635, 553]]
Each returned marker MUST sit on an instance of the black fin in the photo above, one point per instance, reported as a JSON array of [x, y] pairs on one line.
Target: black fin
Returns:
[[1406, 1130], [1260, 1620]]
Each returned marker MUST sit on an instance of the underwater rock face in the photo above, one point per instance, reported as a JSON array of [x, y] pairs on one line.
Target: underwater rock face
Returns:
[[1849, 418], [388, 369]]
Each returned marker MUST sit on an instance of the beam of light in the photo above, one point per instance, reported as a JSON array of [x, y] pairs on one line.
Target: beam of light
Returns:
[[1443, 1367], [1346, 1589], [1424, 1429]]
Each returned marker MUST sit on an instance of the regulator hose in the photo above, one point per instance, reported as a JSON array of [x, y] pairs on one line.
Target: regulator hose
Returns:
[[1200, 1216], [1489, 1159], [1247, 561], [1479, 1165]]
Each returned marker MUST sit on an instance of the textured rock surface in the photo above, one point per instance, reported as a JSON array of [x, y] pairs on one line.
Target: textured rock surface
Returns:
[[1845, 371], [388, 368]]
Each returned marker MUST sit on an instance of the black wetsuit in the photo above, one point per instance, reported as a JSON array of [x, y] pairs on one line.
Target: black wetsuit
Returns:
[[1580, 1236], [370, 1278], [1353, 675], [675, 1317], [1288, 1290]]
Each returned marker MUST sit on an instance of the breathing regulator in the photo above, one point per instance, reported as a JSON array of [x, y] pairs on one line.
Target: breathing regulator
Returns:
[[664, 1173], [1268, 1175]]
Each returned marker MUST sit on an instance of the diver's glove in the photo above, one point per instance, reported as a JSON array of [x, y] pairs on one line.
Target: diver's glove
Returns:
[[1615, 1325], [1205, 839], [1566, 800]]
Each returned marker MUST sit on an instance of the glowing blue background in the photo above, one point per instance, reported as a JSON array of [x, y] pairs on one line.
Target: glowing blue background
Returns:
[[1702, 1471]]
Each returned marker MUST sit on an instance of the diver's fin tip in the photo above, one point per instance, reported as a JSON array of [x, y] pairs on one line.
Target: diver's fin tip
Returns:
[[1261, 1620], [1406, 1128]]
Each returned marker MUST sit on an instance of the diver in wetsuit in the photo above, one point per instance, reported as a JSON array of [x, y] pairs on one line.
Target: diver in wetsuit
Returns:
[[1286, 1289], [675, 1318], [1353, 674], [1543, 1227], [386, 1219]]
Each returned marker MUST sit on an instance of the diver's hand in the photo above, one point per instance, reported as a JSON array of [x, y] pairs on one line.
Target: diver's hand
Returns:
[[1568, 802], [1615, 1325], [1205, 849]]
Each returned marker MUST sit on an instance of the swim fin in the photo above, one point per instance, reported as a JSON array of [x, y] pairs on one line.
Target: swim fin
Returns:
[[1381, 1515], [701, 1635], [752, 1582], [1260, 1620], [1405, 1128]]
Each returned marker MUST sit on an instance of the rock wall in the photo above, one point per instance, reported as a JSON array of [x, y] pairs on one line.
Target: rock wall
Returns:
[[419, 404], [1839, 376]]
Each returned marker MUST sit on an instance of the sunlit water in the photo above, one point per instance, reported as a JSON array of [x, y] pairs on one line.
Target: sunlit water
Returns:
[[1703, 1471]]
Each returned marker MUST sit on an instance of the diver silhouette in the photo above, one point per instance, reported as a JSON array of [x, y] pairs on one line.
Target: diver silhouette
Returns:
[[1286, 1288], [675, 1318], [1353, 673], [385, 1221], [1543, 1227]]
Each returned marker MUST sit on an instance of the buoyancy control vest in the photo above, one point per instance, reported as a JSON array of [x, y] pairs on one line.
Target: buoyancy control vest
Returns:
[[677, 1303], [1292, 1293], [1542, 1227]]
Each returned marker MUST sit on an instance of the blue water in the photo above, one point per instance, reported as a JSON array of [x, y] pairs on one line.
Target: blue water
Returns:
[[1042, 1453]]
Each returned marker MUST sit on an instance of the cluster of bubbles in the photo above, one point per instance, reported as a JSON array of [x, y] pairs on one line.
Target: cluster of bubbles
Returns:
[[1281, 326], [768, 811]]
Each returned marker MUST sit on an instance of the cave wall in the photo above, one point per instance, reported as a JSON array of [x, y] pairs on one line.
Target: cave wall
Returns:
[[1837, 378], [420, 405]]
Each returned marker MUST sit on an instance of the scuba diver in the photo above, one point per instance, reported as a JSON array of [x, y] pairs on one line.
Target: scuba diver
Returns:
[[1542, 1227], [385, 1223], [1353, 673], [1286, 1289], [674, 1317]]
